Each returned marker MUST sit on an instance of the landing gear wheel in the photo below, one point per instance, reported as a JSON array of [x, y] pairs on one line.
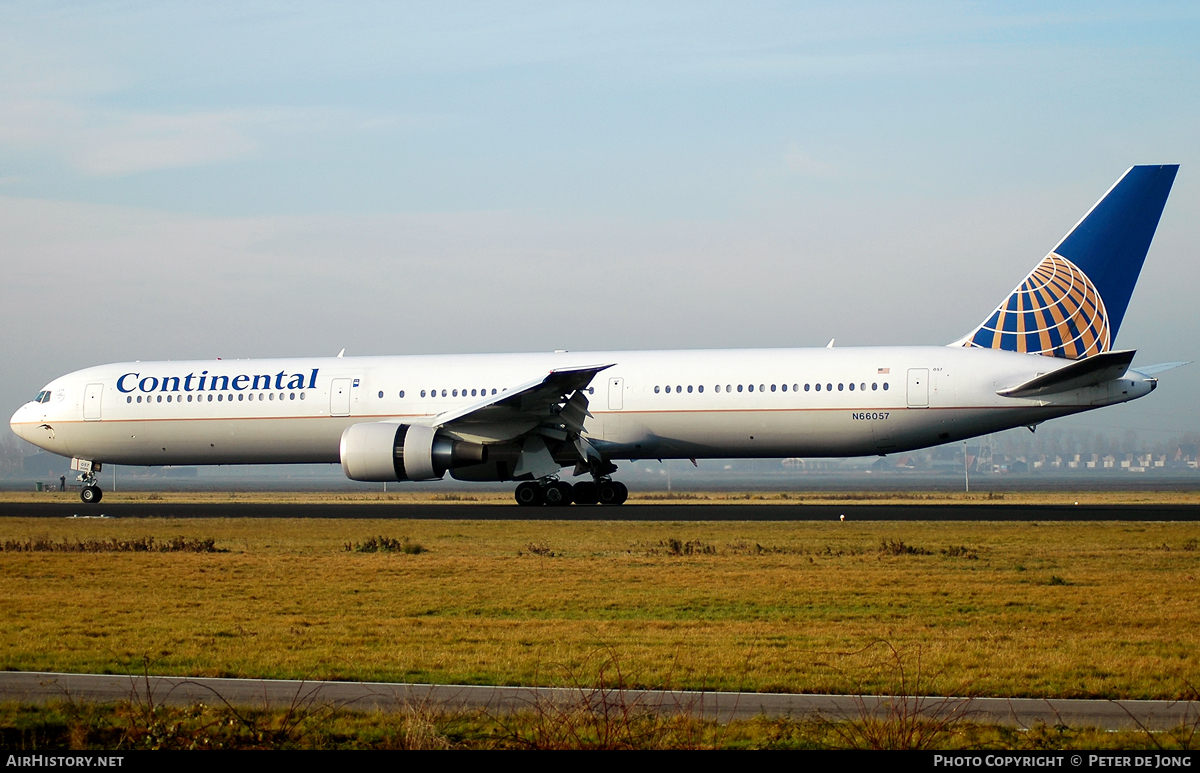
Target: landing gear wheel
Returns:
[[612, 492], [91, 495], [529, 494], [557, 494], [584, 493]]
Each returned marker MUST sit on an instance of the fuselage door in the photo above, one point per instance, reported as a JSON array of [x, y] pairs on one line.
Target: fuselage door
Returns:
[[339, 397], [91, 402], [918, 387], [616, 394]]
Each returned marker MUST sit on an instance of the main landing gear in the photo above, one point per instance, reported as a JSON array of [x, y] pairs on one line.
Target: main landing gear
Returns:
[[556, 493]]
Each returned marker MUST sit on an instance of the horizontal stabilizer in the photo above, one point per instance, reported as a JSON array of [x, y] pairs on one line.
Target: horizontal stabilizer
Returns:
[[1094, 370], [1150, 370]]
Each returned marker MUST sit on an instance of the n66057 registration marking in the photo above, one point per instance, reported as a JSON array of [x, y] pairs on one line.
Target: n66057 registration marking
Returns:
[[871, 416]]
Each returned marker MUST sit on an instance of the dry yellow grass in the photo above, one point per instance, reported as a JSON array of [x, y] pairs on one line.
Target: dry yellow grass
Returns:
[[1062, 609]]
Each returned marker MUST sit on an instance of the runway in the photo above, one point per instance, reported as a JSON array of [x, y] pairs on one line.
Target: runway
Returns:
[[41, 688], [628, 512]]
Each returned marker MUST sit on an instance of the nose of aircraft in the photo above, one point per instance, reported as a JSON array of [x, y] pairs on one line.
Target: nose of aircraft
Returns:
[[16, 423]]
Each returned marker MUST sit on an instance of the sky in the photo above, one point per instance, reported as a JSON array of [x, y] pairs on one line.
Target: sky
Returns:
[[195, 180]]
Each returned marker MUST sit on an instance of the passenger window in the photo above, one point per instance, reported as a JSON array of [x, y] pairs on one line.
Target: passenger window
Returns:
[[129, 399], [762, 387], [700, 389], [302, 395], [422, 393], [818, 387], [795, 387], [689, 389], [291, 395], [454, 393], [784, 387], [829, 387], [841, 387], [806, 387], [739, 387], [668, 388], [750, 387], [591, 391], [727, 389], [772, 387], [885, 386], [874, 386], [656, 390], [272, 396], [401, 394], [863, 386], [678, 389], [443, 393]]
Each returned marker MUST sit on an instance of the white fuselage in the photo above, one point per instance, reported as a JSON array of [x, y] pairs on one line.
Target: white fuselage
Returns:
[[720, 403]]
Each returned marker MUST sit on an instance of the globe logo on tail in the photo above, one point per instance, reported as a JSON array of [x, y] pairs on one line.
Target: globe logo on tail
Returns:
[[1056, 311]]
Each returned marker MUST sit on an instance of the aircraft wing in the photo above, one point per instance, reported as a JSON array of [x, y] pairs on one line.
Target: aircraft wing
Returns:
[[554, 405], [1090, 371]]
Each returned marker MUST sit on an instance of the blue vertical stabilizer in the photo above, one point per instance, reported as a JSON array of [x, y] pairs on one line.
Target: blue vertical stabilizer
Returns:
[[1072, 303]]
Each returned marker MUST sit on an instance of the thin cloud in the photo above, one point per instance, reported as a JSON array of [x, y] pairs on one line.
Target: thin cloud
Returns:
[[798, 162], [111, 143]]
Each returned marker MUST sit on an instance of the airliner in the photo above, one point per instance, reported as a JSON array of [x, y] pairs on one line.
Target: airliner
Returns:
[[1046, 351]]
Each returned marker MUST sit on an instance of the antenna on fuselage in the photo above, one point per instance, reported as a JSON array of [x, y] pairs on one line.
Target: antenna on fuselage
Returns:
[[343, 351], [830, 344]]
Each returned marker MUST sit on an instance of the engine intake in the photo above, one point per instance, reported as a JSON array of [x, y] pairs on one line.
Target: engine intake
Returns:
[[382, 451]]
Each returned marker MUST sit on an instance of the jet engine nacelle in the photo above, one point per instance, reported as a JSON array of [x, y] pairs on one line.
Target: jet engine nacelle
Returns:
[[382, 451]]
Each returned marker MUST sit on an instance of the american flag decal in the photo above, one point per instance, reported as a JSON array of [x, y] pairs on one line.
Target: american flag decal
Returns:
[[884, 370]]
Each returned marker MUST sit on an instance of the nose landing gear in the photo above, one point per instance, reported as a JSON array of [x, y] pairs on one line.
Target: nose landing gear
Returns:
[[91, 493]]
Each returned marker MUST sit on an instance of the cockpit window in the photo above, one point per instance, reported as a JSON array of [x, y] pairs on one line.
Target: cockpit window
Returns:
[[42, 397]]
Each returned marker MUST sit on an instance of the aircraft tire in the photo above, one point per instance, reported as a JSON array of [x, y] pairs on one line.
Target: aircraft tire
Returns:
[[558, 494], [529, 494], [91, 495], [610, 492], [584, 493]]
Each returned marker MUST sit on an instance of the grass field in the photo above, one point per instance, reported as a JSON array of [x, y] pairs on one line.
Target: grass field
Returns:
[[1005, 609]]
